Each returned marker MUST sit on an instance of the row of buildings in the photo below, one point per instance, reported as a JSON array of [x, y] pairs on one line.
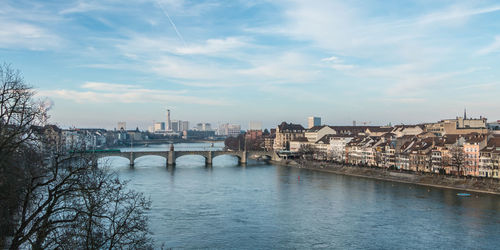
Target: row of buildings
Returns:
[[461, 146], [88, 138]]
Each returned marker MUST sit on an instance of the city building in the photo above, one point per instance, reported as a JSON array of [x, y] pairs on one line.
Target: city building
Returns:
[[206, 127], [159, 127], [253, 135], [285, 133], [269, 141], [231, 130], [313, 121], [489, 165], [121, 126], [317, 132], [254, 125], [184, 126], [168, 123], [203, 126], [175, 125], [336, 150], [402, 130], [458, 126]]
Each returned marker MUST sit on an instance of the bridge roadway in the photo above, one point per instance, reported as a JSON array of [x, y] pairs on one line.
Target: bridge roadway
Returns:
[[172, 155]]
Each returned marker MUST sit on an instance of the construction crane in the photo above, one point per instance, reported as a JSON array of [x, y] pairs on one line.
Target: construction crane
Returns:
[[360, 122]]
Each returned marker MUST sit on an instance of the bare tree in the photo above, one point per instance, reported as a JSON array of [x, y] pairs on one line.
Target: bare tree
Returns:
[[56, 199], [306, 153], [457, 159], [72, 204], [19, 114]]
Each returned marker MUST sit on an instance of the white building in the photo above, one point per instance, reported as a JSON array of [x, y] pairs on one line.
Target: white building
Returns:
[[167, 126], [315, 133], [121, 125], [336, 149], [232, 130], [253, 125], [159, 127]]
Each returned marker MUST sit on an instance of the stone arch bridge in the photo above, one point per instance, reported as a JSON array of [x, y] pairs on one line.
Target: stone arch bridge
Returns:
[[171, 156]]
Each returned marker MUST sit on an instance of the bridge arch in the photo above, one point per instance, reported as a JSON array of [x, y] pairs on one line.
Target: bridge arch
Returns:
[[105, 160], [218, 160], [201, 160], [158, 159]]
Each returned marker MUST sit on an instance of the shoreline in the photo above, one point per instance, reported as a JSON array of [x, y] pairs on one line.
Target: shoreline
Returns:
[[394, 177]]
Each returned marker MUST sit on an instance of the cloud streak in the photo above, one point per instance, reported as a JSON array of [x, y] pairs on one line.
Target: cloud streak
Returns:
[[100, 92]]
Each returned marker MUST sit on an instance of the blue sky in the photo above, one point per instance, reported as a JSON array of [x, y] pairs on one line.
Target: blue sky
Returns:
[[236, 61]]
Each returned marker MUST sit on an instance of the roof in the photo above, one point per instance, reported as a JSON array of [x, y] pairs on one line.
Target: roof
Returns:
[[380, 129], [316, 128], [326, 139], [290, 126], [350, 129]]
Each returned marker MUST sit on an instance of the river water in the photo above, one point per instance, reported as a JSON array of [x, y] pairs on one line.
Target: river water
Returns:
[[262, 206]]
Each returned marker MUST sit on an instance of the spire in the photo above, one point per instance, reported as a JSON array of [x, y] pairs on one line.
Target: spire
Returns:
[[465, 114]]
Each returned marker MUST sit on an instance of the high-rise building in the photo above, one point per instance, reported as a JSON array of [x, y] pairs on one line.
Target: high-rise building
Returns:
[[185, 126], [159, 126], [206, 127], [203, 127], [121, 125], [168, 124], [199, 126], [313, 121], [229, 130], [254, 125], [175, 125]]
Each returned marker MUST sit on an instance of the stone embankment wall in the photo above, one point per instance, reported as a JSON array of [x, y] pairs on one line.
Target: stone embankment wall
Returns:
[[483, 185]]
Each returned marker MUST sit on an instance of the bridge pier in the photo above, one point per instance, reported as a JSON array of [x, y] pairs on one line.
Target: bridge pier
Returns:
[[208, 159], [171, 159], [243, 158], [132, 159]]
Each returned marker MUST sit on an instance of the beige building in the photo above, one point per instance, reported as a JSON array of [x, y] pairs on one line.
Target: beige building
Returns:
[[458, 126], [489, 161], [402, 130], [315, 133], [285, 133]]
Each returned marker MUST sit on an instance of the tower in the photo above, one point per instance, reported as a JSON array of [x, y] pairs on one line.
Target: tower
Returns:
[[465, 114], [313, 121], [168, 124]]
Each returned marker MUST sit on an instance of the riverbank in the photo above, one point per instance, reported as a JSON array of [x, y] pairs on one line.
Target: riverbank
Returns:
[[489, 186]]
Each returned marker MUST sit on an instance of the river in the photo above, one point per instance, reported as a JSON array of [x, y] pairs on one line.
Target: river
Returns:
[[262, 206]]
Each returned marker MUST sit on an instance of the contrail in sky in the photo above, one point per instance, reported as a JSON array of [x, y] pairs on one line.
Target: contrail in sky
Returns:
[[171, 22]]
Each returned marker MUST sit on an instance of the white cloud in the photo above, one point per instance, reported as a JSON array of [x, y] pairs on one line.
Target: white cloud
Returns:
[[456, 13], [123, 93], [81, 7], [289, 67], [103, 86], [15, 34], [337, 64], [494, 47], [213, 46], [331, 59], [342, 67]]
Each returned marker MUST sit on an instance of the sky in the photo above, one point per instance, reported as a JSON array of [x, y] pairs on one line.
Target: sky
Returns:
[[374, 62]]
